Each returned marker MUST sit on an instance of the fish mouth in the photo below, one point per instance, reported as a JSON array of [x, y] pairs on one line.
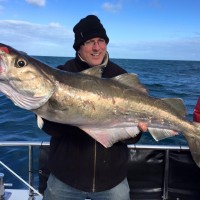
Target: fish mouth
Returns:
[[2, 66]]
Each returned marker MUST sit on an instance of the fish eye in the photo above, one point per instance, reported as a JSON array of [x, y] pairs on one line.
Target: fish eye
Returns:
[[21, 63]]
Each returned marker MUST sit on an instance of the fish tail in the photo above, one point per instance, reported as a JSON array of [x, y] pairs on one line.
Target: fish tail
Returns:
[[193, 140]]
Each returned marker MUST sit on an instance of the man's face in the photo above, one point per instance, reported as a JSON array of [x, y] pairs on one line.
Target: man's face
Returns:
[[93, 51]]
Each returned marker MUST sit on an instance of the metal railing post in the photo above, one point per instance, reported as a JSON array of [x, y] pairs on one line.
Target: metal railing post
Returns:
[[30, 172], [166, 176]]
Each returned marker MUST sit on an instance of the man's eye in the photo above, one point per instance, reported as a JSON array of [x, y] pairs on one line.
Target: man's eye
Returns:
[[89, 42]]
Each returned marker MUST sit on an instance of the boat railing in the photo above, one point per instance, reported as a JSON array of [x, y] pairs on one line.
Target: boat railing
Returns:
[[133, 147], [30, 145]]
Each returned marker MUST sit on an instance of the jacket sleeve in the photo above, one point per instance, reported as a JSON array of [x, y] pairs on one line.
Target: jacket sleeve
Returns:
[[196, 114], [51, 128]]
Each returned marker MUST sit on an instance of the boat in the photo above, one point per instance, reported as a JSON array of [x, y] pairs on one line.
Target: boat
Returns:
[[155, 172]]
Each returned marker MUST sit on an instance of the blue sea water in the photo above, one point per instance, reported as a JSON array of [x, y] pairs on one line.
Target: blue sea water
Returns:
[[163, 78]]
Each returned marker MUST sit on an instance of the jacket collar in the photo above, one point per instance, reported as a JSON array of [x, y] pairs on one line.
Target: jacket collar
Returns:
[[85, 65]]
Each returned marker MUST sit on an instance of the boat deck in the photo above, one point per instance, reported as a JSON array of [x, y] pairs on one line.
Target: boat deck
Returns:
[[19, 194]]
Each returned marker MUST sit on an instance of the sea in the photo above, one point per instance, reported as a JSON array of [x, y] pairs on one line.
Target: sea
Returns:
[[162, 78]]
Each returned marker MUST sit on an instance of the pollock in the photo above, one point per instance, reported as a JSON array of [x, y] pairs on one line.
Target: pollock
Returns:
[[109, 110]]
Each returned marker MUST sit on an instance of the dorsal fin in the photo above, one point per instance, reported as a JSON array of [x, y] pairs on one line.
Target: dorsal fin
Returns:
[[177, 104], [94, 71], [132, 81]]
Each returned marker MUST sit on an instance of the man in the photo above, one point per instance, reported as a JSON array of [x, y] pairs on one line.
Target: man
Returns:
[[81, 167]]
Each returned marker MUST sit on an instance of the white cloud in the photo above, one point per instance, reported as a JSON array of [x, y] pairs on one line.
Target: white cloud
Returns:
[[36, 2], [36, 39], [55, 25], [55, 40], [110, 7]]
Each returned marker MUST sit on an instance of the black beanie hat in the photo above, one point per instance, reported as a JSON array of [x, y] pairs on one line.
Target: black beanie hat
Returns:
[[88, 28]]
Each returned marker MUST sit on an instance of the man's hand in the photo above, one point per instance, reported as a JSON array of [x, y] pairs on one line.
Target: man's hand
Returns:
[[142, 126]]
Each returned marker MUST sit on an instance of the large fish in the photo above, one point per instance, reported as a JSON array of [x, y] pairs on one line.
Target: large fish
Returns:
[[106, 109]]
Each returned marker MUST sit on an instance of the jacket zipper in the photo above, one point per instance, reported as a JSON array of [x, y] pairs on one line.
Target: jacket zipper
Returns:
[[94, 175]]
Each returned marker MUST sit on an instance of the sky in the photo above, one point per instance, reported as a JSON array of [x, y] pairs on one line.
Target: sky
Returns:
[[138, 29]]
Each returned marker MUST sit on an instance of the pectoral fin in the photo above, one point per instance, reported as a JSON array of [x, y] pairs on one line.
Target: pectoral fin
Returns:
[[108, 136], [159, 134]]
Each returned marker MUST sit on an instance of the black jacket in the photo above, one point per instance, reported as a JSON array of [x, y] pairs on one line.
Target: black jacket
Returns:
[[77, 159]]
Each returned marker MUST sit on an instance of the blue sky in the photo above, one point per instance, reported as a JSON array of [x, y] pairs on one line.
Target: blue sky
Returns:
[[138, 29]]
